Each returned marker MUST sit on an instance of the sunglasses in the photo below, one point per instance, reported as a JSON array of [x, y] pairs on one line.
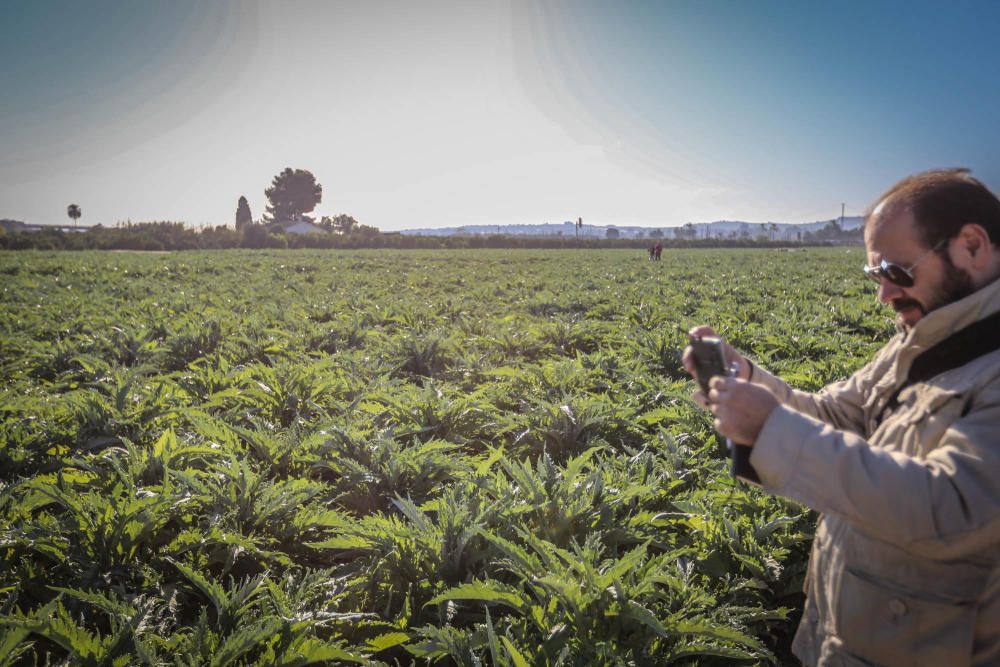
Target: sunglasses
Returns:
[[897, 274]]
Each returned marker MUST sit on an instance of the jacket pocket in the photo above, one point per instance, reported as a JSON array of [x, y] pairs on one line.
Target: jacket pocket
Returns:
[[916, 428], [888, 625]]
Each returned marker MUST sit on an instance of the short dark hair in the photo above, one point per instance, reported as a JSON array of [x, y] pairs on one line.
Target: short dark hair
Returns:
[[942, 201]]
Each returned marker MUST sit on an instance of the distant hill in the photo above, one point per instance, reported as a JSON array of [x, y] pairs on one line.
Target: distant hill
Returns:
[[717, 229]]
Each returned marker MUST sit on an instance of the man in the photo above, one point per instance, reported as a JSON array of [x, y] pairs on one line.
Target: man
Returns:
[[905, 565]]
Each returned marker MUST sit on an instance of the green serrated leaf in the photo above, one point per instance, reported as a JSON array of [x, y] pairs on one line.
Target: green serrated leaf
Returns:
[[483, 592], [342, 542], [388, 640]]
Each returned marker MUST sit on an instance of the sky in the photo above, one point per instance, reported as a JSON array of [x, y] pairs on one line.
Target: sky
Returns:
[[437, 114]]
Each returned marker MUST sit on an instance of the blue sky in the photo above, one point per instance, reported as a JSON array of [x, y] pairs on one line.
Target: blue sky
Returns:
[[451, 113]]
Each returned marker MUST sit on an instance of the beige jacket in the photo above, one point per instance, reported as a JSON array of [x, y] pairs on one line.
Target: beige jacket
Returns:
[[905, 566]]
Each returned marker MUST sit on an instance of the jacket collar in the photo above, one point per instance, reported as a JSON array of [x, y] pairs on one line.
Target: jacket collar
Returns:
[[938, 324]]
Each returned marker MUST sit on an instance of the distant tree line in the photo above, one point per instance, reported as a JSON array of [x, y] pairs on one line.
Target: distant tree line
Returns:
[[832, 232], [293, 195], [178, 236], [159, 236]]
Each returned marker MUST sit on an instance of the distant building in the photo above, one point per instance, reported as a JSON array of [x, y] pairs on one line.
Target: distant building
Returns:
[[297, 226], [12, 225]]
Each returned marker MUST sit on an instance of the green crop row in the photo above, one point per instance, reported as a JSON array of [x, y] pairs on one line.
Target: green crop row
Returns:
[[486, 457]]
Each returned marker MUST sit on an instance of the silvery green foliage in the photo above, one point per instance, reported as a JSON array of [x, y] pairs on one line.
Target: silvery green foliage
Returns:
[[458, 457]]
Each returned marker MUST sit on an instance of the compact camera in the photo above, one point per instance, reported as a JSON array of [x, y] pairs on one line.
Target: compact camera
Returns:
[[709, 361]]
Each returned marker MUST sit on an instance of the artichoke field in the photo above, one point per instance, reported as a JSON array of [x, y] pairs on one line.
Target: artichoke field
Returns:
[[384, 458]]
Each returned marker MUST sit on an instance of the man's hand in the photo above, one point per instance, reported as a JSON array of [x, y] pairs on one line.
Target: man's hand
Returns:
[[740, 408]]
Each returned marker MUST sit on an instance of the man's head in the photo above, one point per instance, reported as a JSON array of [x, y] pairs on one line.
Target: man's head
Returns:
[[940, 232]]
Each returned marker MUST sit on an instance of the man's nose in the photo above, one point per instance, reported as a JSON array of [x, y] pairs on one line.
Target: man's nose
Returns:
[[888, 291]]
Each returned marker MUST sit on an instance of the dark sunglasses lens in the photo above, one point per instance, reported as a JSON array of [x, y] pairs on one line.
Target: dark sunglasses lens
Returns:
[[897, 274], [894, 273]]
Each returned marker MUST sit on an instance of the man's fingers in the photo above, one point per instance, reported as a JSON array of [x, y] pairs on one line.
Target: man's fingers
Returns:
[[717, 387], [687, 358], [701, 400], [701, 330]]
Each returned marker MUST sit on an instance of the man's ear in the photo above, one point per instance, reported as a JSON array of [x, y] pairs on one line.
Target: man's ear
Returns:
[[974, 243]]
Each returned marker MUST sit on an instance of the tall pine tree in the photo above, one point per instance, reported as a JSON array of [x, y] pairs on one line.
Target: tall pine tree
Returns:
[[293, 194]]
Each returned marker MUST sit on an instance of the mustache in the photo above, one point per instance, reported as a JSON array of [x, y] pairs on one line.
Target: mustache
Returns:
[[903, 304]]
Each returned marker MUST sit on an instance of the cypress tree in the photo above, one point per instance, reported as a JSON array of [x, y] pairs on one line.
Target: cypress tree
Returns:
[[243, 216]]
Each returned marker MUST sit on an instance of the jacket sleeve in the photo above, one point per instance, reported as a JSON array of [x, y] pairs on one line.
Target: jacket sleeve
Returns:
[[840, 404], [944, 506]]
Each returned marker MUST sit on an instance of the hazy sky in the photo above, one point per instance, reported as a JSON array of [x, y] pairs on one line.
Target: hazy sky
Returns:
[[434, 114]]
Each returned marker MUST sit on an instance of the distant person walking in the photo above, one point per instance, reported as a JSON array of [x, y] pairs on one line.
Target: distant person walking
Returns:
[[657, 251], [652, 252]]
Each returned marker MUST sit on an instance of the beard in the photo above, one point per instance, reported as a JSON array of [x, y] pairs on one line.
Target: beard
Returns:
[[955, 285]]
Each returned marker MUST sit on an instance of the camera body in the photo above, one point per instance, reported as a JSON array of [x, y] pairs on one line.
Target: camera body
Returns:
[[709, 361]]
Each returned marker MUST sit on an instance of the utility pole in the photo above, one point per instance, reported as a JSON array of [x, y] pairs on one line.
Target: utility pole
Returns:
[[841, 216]]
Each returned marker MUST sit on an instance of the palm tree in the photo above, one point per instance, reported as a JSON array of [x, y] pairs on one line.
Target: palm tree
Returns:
[[74, 212]]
